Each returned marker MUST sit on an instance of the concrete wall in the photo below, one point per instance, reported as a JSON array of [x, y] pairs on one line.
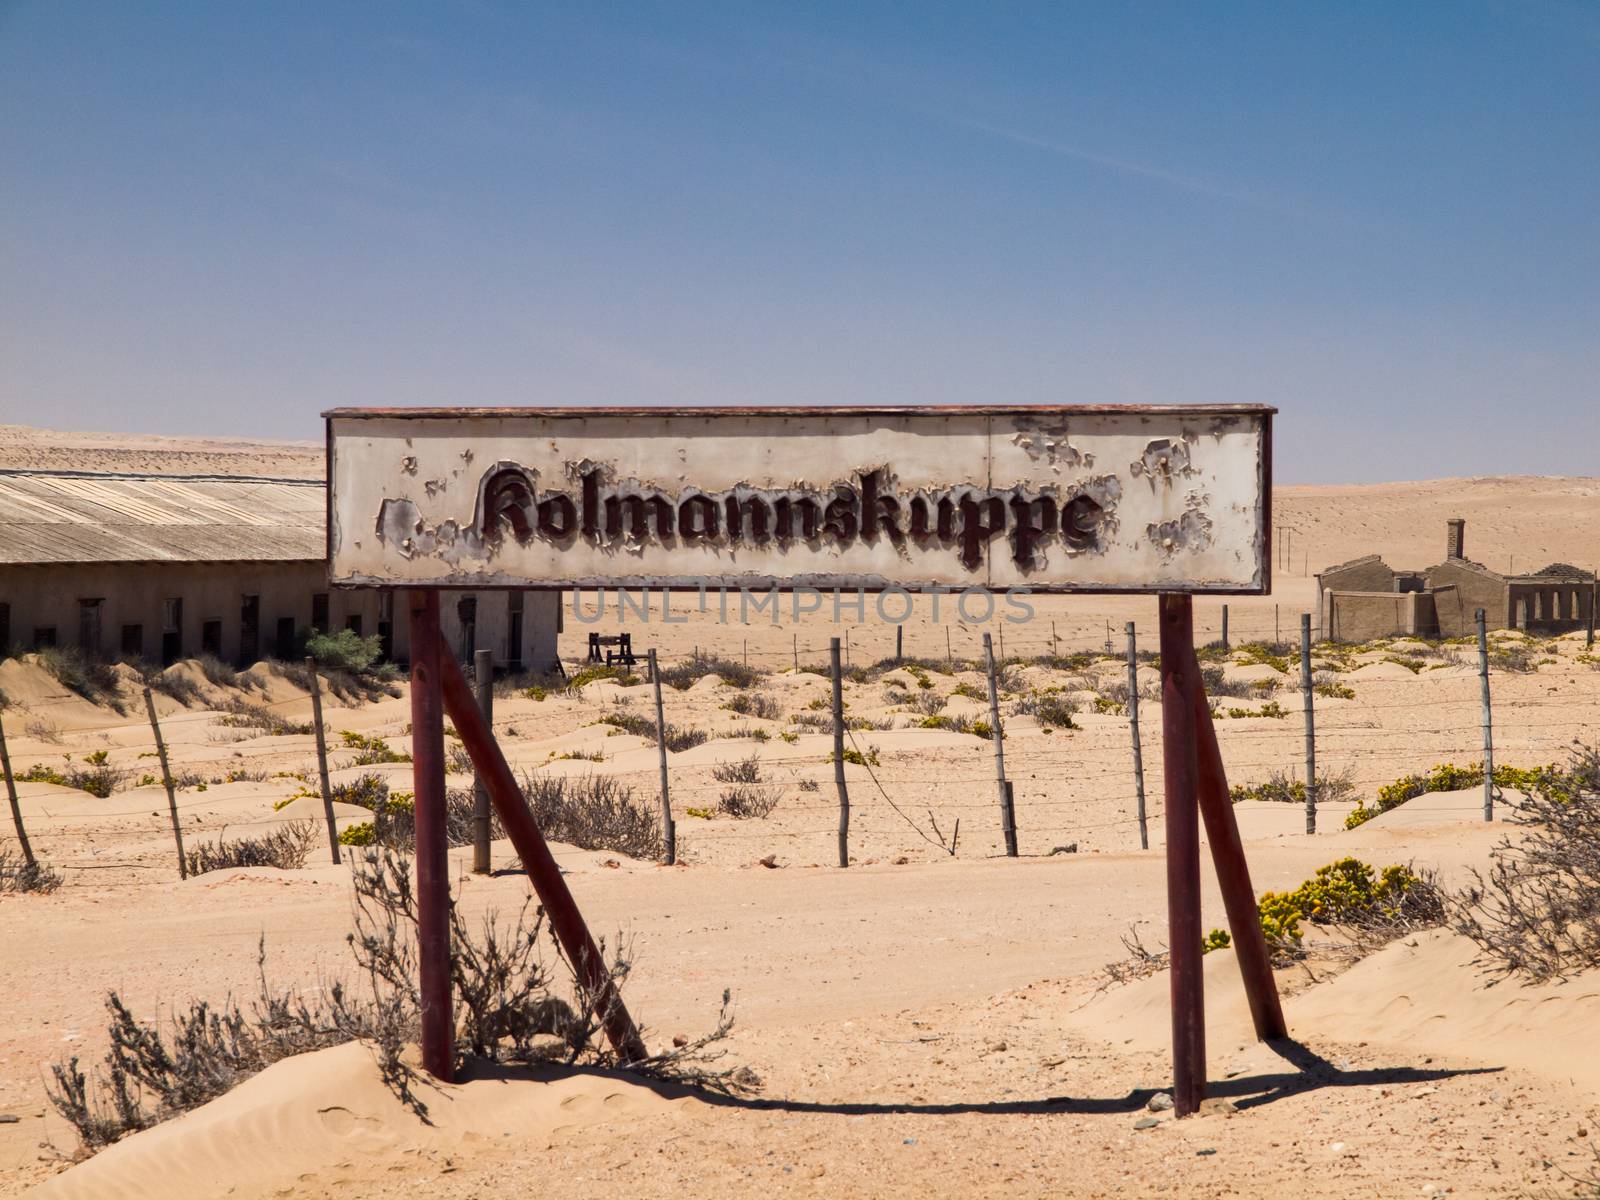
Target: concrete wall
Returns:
[[133, 609], [494, 617], [131, 616], [1362, 616], [1474, 588], [1557, 606]]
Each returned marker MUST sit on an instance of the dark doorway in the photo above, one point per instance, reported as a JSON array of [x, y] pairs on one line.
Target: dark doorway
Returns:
[[211, 638], [249, 630], [89, 626], [44, 635], [514, 629], [386, 624], [133, 641], [5, 628], [319, 612], [283, 641], [171, 631], [467, 611], [353, 623]]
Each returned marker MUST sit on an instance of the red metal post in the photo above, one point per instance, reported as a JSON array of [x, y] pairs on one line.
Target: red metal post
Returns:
[[531, 848], [433, 866], [1233, 872], [1180, 759]]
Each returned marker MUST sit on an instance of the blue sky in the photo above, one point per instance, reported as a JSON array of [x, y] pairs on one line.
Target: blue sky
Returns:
[[1383, 218]]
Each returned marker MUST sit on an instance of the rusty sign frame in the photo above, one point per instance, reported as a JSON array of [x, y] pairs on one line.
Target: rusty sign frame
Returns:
[[1172, 420]]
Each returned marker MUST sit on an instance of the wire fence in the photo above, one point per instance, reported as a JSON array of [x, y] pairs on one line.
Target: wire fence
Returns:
[[1422, 707]]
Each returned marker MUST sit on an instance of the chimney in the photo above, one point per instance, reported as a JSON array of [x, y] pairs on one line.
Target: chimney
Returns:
[[1457, 538]]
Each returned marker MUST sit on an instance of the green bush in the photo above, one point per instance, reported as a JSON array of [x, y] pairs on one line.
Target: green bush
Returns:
[[370, 750], [1349, 893], [345, 650]]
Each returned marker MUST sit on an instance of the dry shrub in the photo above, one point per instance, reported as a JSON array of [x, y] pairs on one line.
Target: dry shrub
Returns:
[[286, 848], [17, 874], [594, 812], [351, 687], [1217, 683], [749, 796], [94, 775], [179, 687], [755, 704], [1282, 788], [1537, 913], [507, 1010], [221, 674], [677, 738], [1516, 658], [241, 714], [734, 674], [90, 677]]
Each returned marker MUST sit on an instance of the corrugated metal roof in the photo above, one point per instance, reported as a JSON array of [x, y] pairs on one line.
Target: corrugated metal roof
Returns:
[[78, 517]]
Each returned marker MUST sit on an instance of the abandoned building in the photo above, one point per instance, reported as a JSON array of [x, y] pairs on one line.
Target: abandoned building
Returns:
[[1366, 598], [163, 567]]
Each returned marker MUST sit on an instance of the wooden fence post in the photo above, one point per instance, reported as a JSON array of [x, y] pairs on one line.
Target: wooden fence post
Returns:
[[1311, 723], [796, 654], [1133, 725], [166, 778], [1008, 817], [949, 654], [1488, 718], [1594, 595], [1053, 651], [838, 753], [1225, 629], [483, 672], [432, 843], [669, 830], [322, 759], [899, 643], [11, 793], [1181, 758]]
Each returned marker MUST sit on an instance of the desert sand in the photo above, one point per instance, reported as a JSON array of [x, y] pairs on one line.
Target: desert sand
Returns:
[[924, 1024]]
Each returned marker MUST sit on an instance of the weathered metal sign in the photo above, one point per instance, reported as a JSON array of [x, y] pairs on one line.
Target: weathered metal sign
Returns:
[[1086, 499]]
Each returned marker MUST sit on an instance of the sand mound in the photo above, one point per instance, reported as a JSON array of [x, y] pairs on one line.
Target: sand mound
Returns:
[[1421, 993], [1434, 809], [326, 1120]]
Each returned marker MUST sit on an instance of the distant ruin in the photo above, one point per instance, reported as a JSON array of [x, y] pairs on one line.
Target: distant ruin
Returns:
[[1366, 598]]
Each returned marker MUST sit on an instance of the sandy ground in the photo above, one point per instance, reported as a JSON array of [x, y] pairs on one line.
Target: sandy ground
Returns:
[[924, 1024]]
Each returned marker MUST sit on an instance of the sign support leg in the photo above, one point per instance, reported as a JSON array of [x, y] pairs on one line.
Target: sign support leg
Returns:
[[1180, 758], [433, 867], [566, 922], [1233, 872]]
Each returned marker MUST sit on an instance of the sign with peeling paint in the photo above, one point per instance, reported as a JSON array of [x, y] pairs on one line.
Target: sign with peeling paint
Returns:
[[1052, 499]]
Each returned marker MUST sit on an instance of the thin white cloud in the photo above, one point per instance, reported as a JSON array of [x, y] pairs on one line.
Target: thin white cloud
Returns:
[[1144, 170]]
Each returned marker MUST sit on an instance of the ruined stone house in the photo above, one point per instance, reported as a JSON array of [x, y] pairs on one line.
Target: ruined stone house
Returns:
[[163, 567], [1366, 598]]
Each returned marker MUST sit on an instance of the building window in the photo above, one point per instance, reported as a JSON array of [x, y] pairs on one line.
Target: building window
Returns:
[[319, 611], [211, 638], [133, 641], [44, 635], [353, 623]]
